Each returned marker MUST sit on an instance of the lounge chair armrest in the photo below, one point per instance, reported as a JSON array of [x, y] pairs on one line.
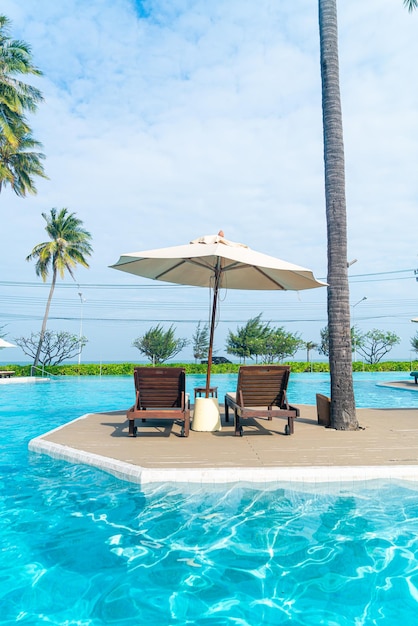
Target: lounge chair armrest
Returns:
[[185, 401], [285, 400], [230, 400]]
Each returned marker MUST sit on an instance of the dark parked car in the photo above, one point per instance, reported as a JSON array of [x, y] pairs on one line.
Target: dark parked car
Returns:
[[217, 360]]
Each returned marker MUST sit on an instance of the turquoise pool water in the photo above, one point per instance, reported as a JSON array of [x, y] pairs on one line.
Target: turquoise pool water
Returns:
[[80, 547]]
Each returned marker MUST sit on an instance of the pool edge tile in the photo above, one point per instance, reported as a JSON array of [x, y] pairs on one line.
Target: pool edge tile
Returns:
[[306, 474]]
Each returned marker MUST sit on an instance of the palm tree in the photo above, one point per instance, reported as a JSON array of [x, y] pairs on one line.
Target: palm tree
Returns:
[[20, 162], [309, 345], [410, 4], [69, 246], [16, 96], [343, 410]]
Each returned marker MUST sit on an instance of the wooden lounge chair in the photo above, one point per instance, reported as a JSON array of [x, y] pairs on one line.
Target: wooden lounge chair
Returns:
[[160, 394], [323, 409], [261, 392], [7, 373]]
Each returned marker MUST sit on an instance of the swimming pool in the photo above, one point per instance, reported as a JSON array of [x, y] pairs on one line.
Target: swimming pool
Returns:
[[81, 547]]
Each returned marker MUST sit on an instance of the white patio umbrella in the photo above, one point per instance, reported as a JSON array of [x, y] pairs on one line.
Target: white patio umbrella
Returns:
[[6, 344], [215, 262]]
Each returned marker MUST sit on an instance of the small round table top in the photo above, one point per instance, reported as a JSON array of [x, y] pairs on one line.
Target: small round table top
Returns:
[[213, 391]]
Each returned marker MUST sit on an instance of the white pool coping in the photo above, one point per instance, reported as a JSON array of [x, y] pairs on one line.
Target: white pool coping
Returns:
[[343, 475], [13, 380]]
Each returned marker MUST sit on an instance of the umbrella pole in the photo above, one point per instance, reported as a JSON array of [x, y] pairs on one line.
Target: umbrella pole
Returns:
[[212, 326]]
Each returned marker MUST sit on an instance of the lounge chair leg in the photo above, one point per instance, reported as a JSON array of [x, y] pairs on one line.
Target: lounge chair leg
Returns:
[[185, 428], [289, 428], [132, 428], [238, 427]]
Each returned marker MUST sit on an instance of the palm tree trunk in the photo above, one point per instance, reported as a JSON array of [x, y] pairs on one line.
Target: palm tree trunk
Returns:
[[343, 411], [43, 329]]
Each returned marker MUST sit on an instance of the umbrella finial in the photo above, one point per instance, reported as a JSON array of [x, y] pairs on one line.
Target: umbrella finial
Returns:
[[221, 233]]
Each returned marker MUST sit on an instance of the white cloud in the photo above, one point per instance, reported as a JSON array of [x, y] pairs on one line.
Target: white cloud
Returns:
[[166, 120]]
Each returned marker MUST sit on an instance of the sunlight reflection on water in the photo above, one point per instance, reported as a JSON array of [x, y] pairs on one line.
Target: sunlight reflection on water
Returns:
[[81, 547]]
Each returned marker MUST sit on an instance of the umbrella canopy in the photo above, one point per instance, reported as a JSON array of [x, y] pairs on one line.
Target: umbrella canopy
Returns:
[[6, 344], [197, 263], [213, 261]]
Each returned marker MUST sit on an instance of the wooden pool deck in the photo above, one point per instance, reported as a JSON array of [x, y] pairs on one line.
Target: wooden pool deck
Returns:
[[386, 446]]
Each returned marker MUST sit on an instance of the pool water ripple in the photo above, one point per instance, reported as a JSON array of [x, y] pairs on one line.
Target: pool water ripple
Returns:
[[80, 547]]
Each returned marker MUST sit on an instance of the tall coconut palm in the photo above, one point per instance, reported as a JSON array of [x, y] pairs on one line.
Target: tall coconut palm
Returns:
[[16, 97], [69, 246], [343, 411], [343, 414], [20, 162]]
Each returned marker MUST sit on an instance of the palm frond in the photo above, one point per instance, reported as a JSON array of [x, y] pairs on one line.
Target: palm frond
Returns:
[[411, 5]]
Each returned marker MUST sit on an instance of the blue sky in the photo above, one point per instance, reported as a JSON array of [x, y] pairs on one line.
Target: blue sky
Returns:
[[167, 120]]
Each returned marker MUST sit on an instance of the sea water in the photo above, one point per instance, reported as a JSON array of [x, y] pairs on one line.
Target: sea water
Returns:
[[80, 547]]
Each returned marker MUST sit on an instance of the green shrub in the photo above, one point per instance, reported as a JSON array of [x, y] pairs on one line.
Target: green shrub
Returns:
[[126, 369]]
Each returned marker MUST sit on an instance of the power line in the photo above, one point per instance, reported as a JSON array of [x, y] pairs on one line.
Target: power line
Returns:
[[156, 285], [63, 285]]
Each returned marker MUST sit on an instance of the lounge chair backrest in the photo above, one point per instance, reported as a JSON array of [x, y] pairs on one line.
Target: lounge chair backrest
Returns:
[[262, 385], [160, 386]]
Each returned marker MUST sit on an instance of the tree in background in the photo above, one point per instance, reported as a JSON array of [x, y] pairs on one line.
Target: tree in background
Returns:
[[56, 347], [323, 347], [258, 339], [201, 342], [18, 160], [279, 345], [376, 343], [256, 333], [309, 346], [16, 96], [356, 340], [159, 345], [247, 342], [410, 4], [414, 341], [69, 246]]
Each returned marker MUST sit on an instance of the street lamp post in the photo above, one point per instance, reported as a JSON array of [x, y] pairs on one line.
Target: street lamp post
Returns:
[[354, 327], [81, 326]]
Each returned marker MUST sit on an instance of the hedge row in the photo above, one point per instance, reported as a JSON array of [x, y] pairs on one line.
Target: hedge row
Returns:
[[126, 369]]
